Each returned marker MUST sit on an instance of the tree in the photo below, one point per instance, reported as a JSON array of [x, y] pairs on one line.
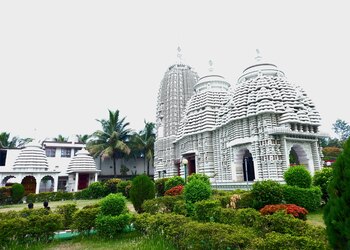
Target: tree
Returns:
[[83, 138], [61, 138], [342, 129], [14, 142], [142, 189], [111, 141], [143, 143], [337, 210]]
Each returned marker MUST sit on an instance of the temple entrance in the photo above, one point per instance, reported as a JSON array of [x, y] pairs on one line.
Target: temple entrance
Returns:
[[248, 166], [83, 181], [191, 165], [6, 181], [29, 184], [297, 156], [46, 184]]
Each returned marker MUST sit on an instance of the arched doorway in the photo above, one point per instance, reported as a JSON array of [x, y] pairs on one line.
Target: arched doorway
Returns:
[[29, 184], [248, 166], [46, 184], [298, 156], [6, 182]]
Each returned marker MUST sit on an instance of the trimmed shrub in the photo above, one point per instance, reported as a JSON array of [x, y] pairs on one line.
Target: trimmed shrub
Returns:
[[111, 185], [160, 186], [173, 182], [84, 220], [174, 191], [111, 226], [266, 193], [309, 198], [247, 217], [124, 187], [204, 210], [296, 211], [49, 196], [201, 177], [5, 195], [43, 228], [298, 176], [67, 211], [113, 204], [322, 179], [246, 201], [180, 208], [17, 192], [197, 190], [163, 204], [142, 189], [96, 190], [12, 230]]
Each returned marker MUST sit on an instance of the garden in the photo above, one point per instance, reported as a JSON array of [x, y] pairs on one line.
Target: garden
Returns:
[[173, 213]]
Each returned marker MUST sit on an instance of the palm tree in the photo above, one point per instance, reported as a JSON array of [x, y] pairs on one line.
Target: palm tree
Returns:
[[143, 143], [14, 142], [111, 141], [61, 138], [83, 138]]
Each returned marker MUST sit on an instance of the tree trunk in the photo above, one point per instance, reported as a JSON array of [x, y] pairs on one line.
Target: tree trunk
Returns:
[[114, 167], [148, 167]]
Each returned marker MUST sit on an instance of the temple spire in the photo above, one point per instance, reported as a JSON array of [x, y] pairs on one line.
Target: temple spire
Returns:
[[179, 54], [258, 56], [211, 68]]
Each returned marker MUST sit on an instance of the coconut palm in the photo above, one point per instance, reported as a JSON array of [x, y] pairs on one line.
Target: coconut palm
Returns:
[[143, 143], [83, 138], [61, 138], [111, 141], [14, 142]]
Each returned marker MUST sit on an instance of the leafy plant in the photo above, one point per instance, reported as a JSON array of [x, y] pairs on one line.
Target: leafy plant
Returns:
[[174, 191], [298, 176], [266, 193], [142, 189], [173, 182], [17, 192], [201, 177], [296, 211], [113, 204], [160, 186], [197, 190], [322, 179]]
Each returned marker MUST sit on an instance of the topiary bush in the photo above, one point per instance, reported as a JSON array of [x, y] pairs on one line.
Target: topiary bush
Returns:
[[204, 210], [197, 190], [298, 176], [67, 211], [322, 178], [266, 193], [201, 177], [113, 204], [96, 190], [109, 226], [309, 198], [17, 192], [173, 182], [84, 220], [160, 186], [111, 185], [142, 189]]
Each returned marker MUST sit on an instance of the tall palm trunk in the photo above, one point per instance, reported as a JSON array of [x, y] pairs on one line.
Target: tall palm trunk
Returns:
[[115, 167]]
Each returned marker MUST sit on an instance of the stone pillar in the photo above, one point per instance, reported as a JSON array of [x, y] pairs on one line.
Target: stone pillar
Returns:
[[96, 174], [55, 183], [76, 182], [38, 181]]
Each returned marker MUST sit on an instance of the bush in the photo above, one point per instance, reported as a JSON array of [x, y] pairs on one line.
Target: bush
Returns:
[[163, 204], [49, 196], [174, 191], [84, 219], [173, 182], [113, 204], [110, 226], [67, 211], [296, 211], [111, 185], [5, 195], [96, 190], [142, 189], [298, 176], [160, 186], [266, 193], [124, 187], [43, 228], [197, 190], [247, 217], [180, 208], [204, 210], [17, 192], [322, 179], [201, 177], [309, 198]]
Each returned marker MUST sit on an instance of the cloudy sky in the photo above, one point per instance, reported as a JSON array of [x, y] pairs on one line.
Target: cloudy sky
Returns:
[[63, 64]]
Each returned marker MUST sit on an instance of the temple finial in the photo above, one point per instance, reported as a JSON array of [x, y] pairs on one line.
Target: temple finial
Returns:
[[258, 56], [179, 55], [211, 68]]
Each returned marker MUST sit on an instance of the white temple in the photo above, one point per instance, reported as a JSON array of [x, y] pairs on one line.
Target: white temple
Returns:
[[251, 132]]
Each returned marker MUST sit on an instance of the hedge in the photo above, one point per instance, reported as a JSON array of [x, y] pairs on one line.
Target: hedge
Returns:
[[309, 198]]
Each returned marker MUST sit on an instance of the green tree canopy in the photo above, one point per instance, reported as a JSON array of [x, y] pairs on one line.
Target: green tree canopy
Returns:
[[15, 142], [342, 129]]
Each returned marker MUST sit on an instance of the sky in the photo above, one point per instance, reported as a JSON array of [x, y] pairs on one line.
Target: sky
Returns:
[[64, 64]]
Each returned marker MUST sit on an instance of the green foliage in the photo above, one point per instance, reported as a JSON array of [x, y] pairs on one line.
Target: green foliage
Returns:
[[160, 186], [17, 192], [5, 195], [204, 210], [248, 217], [96, 190], [113, 204], [197, 190], [84, 219], [49, 196], [67, 211], [266, 193], [322, 179], [173, 182], [342, 129], [124, 187], [109, 226], [142, 189], [337, 210], [180, 208], [309, 198], [298, 176], [163, 204], [111, 185], [201, 177]]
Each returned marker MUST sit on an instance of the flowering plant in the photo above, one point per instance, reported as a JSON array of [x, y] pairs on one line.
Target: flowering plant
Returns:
[[296, 211], [177, 190]]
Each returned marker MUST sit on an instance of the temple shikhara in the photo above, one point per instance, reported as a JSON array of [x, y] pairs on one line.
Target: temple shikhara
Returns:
[[252, 130]]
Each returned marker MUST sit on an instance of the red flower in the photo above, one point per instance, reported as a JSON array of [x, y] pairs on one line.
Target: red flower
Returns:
[[174, 191], [296, 211]]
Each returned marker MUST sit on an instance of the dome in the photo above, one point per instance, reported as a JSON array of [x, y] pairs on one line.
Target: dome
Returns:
[[82, 162], [211, 83], [31, 158]]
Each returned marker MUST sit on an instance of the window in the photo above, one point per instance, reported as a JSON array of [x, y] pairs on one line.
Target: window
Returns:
[[50, 152], [3, 154], [66, 152]]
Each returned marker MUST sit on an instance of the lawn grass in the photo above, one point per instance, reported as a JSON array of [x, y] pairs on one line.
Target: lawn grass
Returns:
[[126, 241], [316, 218]]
